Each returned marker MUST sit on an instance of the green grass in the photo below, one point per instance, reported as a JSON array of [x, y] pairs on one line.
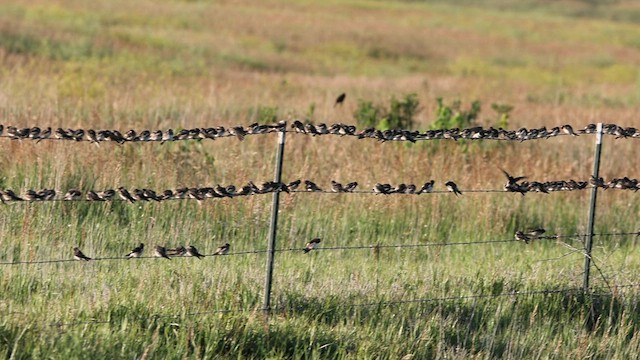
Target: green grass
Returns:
[[184, 64]]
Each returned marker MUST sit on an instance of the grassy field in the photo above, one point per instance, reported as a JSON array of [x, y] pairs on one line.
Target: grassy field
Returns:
[[183, 64]]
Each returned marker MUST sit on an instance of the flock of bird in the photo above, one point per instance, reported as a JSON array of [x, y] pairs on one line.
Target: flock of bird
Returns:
[[189, 251], [514, 184], [240, 132], [517, 184]]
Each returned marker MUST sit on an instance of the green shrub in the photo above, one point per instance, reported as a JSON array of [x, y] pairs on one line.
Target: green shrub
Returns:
[[399, 115], [452, 116]]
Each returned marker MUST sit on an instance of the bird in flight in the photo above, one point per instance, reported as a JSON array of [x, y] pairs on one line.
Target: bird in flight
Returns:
[[340, 99], [312, 245], [78, 255]]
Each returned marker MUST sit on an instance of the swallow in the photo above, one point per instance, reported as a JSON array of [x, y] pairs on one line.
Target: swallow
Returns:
[[31, 195], [427, 187], [125, 195], [179, 251], [192, 251], [567, 129], [311, 186], [298, 127], [136, 252], [107, 195], [400, 189], [294, 185], [161, 251], [92, 136], [384, 189], [311, 245], [78, 255], [239, 132], [511, 180], [351, 187], [222, 250], [336, 187], [411, 189], [167, 136], [451, 186], [93, 196], [340, 99], [522, 237], [9, 195], [535, 233], [45, 134], [72, 194]]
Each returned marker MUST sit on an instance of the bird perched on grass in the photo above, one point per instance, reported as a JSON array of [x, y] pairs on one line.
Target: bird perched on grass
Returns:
[[78, 255], [136, 252], [161, 251], [311, 245], [451, 186], [340, 99], [192, 251], [222, 250]]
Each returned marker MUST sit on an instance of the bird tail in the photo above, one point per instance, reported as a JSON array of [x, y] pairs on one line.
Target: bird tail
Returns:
[[306, 250]]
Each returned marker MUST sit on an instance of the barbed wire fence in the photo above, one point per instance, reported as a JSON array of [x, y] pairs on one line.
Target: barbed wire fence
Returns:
[[277, 187]]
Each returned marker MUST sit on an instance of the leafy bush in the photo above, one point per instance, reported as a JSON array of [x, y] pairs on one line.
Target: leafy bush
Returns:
[[452, 116], [399, 115]]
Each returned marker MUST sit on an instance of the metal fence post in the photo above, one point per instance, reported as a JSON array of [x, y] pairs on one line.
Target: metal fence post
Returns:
[[271, 251], [592, 210]]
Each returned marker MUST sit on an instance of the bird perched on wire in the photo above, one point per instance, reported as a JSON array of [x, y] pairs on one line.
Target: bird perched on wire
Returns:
[[192, 251], [427, 187], [161, 251], [567, 129], [522, 237], [222, 250], [535, 233], [136, 252], [311, 245], [340, 99], [451, 186], [78, 255]]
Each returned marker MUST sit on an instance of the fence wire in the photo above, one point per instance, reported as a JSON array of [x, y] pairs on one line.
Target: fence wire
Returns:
[[328, 248]]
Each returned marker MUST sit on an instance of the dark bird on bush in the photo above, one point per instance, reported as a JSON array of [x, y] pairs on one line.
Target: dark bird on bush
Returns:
[[78, 255], [222, 250], [451, 186], [340, 99], [312, 245], [136, 252], [161, 251], [192, 251]]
